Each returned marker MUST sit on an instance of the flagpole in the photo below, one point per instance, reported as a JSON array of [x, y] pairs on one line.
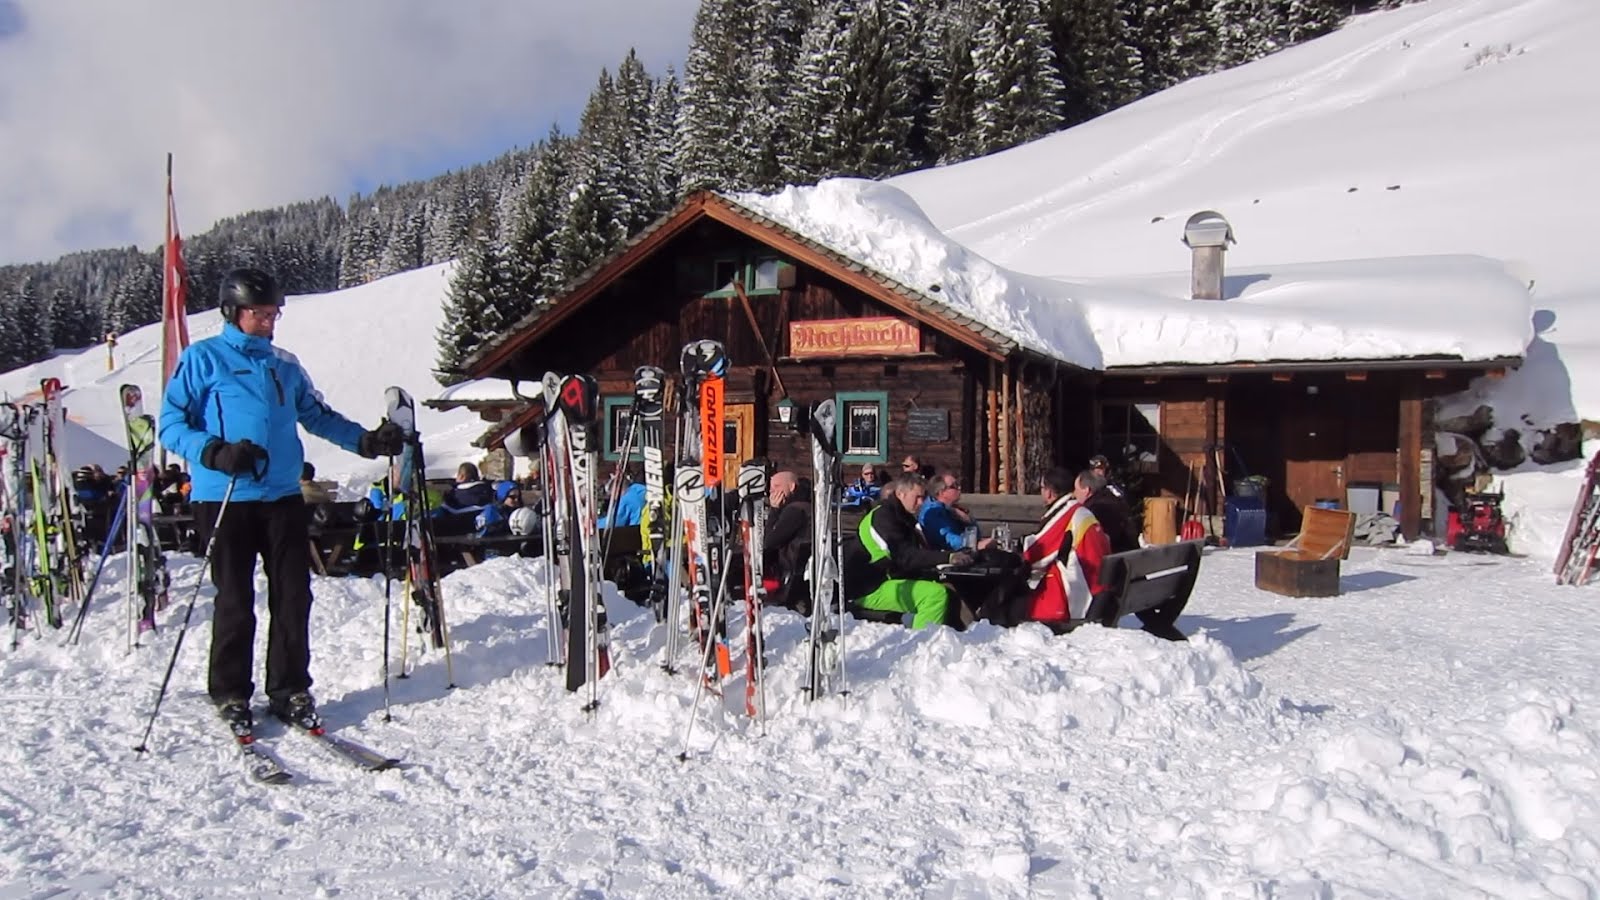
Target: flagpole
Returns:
[[166, 303]]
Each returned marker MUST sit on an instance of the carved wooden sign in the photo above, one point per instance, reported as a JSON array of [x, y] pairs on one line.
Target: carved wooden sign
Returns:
[[853, 337]]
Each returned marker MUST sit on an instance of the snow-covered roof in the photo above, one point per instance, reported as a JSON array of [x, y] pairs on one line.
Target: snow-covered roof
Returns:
[[476, 390], [1467, 307]]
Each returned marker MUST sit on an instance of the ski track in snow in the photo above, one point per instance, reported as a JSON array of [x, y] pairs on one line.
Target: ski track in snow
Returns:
[[1419, 736]]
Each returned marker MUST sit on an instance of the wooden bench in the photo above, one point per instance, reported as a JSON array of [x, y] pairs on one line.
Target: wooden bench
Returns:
[[1308, 566], [1153, 583]]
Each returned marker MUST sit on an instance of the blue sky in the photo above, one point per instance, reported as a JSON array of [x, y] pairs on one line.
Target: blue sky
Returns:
[[269, 103]]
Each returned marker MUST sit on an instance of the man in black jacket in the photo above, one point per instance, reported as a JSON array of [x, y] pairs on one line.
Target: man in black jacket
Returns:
[[1107, 503], [889, 567], [787, 541]]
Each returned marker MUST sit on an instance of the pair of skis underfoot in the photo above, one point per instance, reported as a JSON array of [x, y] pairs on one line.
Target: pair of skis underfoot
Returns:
[[264, 765]]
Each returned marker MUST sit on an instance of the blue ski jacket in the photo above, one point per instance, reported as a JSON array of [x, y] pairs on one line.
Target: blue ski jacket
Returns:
[[236, 386]]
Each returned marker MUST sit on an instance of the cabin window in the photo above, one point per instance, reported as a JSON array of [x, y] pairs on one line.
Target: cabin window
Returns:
[[863, 426], [723, 274], [1130, 435], [716, 277], [764, 276], [618, 418]]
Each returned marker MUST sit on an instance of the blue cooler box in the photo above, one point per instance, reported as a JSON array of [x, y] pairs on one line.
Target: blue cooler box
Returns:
[[1244, 521]]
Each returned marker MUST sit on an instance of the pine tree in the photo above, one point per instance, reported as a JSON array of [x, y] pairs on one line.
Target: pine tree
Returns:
[[1100, 68], [136, 299], [1016, 83], [532, 254], [662, 179], [952, 130], [1173, 40], [470, 313], [852, 110], [715, 143], [30, 323]]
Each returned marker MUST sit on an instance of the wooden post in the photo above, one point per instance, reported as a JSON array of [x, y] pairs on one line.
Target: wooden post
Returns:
[[1210, 475], [1005, 427], [1410, 460], [991, 409], [1019, 415]]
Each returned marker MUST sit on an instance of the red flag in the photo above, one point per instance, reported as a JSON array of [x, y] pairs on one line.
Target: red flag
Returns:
[[175, 291]]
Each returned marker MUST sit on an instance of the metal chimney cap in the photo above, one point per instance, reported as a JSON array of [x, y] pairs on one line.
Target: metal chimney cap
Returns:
[[1207, 228]]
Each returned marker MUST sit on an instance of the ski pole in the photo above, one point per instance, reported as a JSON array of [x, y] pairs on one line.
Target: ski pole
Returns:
[[388, 578], [705, 660], [183, 628], [105, 551]]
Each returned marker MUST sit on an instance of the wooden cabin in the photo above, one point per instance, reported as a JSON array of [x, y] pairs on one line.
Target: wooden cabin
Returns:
[[912, 374], [801, 323]]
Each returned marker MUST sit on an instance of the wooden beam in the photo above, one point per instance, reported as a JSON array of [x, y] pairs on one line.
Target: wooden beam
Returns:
[[1020, 416], [1410, 460], [992, 412], [1005, 427], [1210, 475]]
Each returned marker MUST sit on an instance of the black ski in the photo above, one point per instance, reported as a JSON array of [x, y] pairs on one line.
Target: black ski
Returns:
[[353, 752]]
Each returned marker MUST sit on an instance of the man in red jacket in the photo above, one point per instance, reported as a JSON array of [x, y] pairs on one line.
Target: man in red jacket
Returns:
[[1064, 556]]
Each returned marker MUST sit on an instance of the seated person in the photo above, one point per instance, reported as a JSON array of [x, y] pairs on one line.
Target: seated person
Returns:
[[888, 567], [495, 520], [943, 522], [786, 544], [310, 490], [1110, 508], [863, 491], [1063, 557], [457, 513], [1101, 466], [630, 501]]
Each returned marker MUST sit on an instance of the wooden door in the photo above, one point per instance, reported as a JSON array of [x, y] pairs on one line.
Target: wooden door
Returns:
[[739, 438], [1314, 451]]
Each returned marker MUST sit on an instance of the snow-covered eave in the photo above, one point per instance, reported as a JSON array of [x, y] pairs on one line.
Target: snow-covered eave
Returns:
[[1436, 361], [995, 343]]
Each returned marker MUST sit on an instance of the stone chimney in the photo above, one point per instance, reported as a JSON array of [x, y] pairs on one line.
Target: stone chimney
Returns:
[[1208, 235]]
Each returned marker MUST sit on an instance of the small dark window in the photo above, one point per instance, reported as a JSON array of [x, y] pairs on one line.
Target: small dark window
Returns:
[[724, 272]]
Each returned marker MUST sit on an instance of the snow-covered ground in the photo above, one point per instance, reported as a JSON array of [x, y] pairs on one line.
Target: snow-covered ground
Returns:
[[1426, 734]]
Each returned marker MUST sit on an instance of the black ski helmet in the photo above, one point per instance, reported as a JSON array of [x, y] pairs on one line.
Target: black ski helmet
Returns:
[[247, 287]]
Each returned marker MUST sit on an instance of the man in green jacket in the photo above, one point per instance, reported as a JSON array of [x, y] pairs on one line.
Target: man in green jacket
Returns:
[[890, 568]]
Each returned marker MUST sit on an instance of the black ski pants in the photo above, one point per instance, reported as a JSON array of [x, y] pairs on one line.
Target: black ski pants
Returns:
[[276, 531]]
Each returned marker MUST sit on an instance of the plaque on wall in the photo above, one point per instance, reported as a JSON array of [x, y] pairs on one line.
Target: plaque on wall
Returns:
[[930, 426]]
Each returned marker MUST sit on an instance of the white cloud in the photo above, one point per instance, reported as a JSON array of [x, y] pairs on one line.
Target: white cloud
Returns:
[[269, 103]]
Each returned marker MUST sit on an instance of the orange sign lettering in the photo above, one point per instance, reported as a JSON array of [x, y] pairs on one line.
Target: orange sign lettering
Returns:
[[853, 337]]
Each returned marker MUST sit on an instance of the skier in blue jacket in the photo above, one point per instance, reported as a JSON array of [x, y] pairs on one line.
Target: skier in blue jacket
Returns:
[[233, 409]]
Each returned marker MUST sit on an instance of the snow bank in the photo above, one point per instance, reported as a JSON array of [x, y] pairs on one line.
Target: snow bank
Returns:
[[991, 763]]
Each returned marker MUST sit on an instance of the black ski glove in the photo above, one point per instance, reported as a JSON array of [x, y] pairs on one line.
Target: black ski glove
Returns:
[[236, 458], [387, 439]]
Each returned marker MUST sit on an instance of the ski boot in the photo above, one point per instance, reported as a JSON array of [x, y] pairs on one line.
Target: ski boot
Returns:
[[299, 711], [236, 714]]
